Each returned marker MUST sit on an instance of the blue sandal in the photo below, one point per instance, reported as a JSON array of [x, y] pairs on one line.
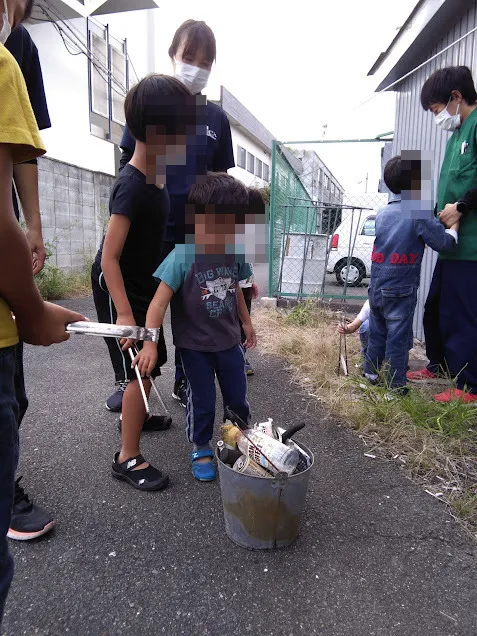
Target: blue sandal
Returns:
[[203, 471]]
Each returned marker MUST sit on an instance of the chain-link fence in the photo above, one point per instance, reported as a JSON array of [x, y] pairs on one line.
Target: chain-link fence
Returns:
[[323, 218]]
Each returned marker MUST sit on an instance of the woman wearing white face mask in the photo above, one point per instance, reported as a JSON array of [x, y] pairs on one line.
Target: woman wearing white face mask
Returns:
[[192, 53], [451, 308]]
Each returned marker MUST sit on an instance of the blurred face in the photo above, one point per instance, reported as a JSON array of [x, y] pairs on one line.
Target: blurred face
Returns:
[[16, 11], [198, 59], [214, 232], [163, 150]]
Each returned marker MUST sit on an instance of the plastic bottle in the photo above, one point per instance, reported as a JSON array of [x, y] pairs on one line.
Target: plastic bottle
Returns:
[[283, 458]]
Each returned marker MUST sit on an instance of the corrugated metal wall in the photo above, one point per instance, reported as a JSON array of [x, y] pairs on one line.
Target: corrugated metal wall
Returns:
[[416, 130]]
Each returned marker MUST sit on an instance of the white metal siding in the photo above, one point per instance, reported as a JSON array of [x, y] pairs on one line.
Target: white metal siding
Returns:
[[416, 130]]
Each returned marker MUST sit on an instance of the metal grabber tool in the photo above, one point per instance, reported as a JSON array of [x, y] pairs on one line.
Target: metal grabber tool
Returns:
[[107, 330], [343, 353], [133, 351]]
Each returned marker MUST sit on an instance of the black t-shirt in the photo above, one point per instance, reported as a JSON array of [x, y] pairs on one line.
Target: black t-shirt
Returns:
[[147, 208], [24, 50], [215, 155]]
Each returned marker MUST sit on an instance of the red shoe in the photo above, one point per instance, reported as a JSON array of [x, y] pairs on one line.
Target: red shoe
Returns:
[[422, 374], [455, 394]]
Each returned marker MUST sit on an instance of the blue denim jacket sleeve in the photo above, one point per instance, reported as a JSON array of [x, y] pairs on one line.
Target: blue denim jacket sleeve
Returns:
[[433, 233]]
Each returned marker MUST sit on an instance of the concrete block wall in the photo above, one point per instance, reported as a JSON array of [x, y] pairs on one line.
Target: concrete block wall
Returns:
[[74, 205]]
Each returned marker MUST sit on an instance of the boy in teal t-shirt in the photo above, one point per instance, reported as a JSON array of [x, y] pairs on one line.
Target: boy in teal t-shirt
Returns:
[[201, 282]]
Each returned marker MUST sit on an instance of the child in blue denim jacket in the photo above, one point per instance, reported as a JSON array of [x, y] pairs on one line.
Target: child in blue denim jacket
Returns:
[[403, 229]]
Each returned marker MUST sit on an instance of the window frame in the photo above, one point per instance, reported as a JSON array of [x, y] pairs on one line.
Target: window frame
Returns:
[[108, 125], [95, 73], [123, 55], [266, 168], [250, 162], [240, 150]]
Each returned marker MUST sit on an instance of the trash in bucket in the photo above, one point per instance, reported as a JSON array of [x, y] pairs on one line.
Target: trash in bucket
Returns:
[[263, 510]]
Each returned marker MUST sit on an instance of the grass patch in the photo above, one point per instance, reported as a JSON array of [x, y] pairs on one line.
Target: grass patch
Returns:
[[436, 444], [55, 283]]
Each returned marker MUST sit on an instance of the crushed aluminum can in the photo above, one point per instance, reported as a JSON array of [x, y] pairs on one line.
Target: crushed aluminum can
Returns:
[[246, 466]]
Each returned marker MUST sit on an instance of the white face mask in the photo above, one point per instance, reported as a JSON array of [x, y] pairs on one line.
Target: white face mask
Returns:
[[193, 77], [446, 121], [6, 28]]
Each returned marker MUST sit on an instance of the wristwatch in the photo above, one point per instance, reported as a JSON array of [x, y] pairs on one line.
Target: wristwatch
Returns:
[[461, 206]]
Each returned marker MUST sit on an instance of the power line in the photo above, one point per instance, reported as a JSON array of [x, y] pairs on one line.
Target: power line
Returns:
[[100, 68]]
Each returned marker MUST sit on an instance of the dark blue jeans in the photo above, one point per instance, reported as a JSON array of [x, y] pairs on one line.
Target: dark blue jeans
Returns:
[[200, 369], [450, 322], [9, 414], [390, 331]]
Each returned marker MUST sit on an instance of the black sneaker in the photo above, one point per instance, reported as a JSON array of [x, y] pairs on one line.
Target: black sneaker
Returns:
[[114, 402], [153, 423], [179, 393], [147, 479], [29, 521]]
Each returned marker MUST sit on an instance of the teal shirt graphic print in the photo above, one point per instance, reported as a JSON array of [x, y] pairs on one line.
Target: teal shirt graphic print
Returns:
[[219, 288]]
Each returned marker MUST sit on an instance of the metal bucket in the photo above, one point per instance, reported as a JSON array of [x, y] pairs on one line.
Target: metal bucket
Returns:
[[262, 513]]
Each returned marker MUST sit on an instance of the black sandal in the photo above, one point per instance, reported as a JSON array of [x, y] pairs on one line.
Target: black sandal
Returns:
[[153, 423], [148, 479]]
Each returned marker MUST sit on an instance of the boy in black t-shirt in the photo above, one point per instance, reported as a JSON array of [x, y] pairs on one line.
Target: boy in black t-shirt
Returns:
[[192, 52], [160, 112]]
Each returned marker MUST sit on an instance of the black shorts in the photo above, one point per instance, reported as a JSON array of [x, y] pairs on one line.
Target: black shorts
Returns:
[[139, 301]]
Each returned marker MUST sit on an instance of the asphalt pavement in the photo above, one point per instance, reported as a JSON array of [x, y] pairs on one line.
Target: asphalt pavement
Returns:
[[376, 556]]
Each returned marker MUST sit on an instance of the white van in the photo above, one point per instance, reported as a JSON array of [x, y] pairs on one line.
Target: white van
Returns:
[[353, 240]]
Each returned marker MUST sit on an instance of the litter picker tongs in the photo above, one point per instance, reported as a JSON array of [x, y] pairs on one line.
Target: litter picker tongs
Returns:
[[343, 352], [133, 351], [107, 330]]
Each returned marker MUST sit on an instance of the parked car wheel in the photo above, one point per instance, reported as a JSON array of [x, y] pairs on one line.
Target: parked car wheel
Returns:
[[355, 272]]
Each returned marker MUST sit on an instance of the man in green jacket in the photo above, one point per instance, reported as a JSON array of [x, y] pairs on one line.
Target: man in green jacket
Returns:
[[450, 316]]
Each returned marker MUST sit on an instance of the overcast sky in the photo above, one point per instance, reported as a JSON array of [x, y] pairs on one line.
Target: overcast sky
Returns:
[[298, 65]]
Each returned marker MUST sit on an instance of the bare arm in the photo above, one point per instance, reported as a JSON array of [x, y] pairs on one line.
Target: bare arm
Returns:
[[147, 358], [246, 321], [116, 235], [158, 306], [37, 322], [26, 181], [16, 281], [351, 327]]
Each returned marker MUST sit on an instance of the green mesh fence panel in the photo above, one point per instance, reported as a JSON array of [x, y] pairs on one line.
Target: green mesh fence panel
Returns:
[[321, 235]]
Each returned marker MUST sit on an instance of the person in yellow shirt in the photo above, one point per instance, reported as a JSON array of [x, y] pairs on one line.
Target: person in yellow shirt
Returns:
[[36, 321]]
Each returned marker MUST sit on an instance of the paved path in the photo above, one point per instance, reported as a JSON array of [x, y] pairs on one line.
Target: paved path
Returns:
[[376, 557]]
